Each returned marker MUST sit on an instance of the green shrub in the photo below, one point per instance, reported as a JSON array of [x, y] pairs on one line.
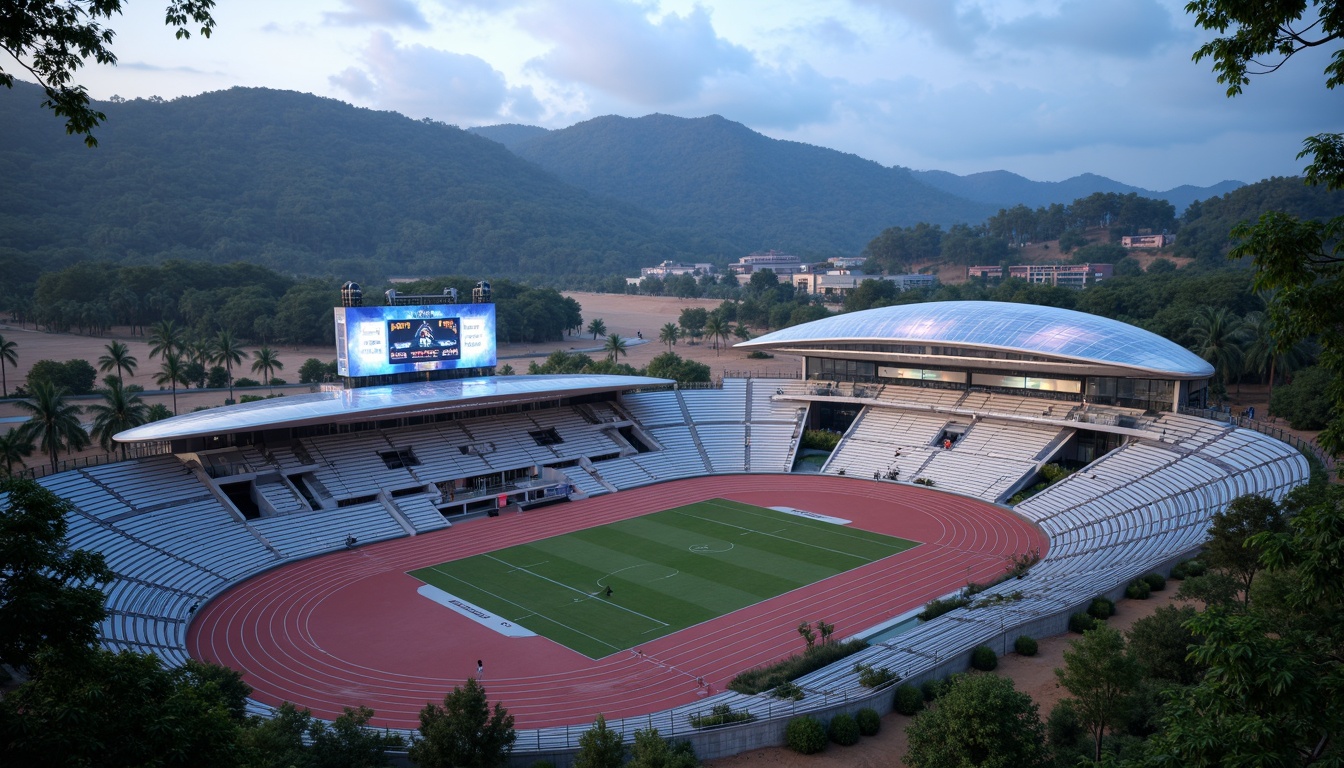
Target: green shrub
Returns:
[[819, 439], [1025, 646], [1081, 622], [721, 714], [874, 677], [543, 764], [843, 730], [932, 689], [1156, 582], [246, 382], [936, 608], [1138, 590], [868, 720], [759, 355], [984, 658], [805, 735], [790, 691], [762, 679], [1101, 608], [910, 700], [1189, 569], [250, 398]]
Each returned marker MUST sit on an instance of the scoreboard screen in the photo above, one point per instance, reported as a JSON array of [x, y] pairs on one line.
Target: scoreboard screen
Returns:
[[373, 341]]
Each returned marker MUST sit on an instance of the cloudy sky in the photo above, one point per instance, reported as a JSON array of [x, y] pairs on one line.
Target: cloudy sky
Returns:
[[1047, 88]]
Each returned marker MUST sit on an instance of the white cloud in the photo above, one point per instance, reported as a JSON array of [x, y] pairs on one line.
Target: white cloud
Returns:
[[419, 81], [616, 48], [389, 13]]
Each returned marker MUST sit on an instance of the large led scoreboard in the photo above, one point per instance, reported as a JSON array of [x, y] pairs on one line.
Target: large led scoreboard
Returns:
[[375, 341]]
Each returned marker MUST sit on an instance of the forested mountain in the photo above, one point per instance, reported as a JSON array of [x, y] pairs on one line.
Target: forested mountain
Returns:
[[1006, 190], [303, 185], [509, 134], [1204, 227], [711, 174]]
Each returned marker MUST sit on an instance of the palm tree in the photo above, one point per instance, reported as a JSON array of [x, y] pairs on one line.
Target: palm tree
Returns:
[[597, 328], [9, 355], [53, 422], [170, 373], [157, 412], [1218, 337], [119, 411], [717, 329], [15, 446], [742, 332], [615, 347], [228, 353], [119, 357], [165, 338], [266, 363], [668, 335], [198, 349]]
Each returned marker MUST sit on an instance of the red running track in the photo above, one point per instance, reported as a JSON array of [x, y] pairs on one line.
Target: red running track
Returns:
[[348, 628]]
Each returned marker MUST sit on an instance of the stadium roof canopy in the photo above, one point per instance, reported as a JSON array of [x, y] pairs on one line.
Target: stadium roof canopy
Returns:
[[1046, 334], [372, 403]]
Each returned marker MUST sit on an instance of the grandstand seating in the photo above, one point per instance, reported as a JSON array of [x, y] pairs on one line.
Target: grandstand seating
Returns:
[[173, 542]]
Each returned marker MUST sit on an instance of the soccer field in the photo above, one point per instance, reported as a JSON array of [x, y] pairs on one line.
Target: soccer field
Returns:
[[667, 571]]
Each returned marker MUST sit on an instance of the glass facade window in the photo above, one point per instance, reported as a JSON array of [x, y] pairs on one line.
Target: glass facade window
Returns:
[[921, 374], [1001, 381]]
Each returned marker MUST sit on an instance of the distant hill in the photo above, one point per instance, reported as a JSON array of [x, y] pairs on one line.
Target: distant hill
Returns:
[[713, 175], [1203, 235], [1005, 190], [303, 185], [509, 134]]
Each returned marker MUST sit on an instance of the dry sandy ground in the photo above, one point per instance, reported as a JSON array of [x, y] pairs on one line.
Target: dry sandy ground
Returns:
[[622, 314], [1034, 675]]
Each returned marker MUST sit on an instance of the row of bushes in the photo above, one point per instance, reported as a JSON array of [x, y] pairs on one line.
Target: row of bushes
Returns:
[[1102, 608], [807, 735]]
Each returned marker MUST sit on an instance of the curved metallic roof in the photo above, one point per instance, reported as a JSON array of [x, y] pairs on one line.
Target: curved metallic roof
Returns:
[[367, 403], [1027, 328]]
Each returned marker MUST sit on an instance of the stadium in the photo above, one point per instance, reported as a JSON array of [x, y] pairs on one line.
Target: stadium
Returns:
[[616, 544]]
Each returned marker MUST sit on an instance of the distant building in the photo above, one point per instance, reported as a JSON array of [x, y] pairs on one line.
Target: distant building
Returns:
[[670, 268], [835, 286], [846, 262], [988, 272], [1146, 241], [1071, 275], [776, 261]]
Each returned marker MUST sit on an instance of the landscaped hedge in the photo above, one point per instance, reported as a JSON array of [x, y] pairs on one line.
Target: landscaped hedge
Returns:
[[869, 721], [805, 735], [984, 658], [1081, 622], [843, 730], [1138, 590], [721, 714], [1101, 608], [1156, 582], [761, 679], [909, 700], [1025, 646]]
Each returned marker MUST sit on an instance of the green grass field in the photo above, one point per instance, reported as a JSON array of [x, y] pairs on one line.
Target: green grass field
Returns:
[[667, 571]]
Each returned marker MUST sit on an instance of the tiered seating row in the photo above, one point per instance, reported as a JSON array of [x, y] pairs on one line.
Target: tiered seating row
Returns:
[[282, 498], [148, 482], [653, 409], [422, 513], [725, 444], [204, 533], [313, 532]]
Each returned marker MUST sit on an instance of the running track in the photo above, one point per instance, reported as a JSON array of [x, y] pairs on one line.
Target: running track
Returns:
[[348, 628]]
